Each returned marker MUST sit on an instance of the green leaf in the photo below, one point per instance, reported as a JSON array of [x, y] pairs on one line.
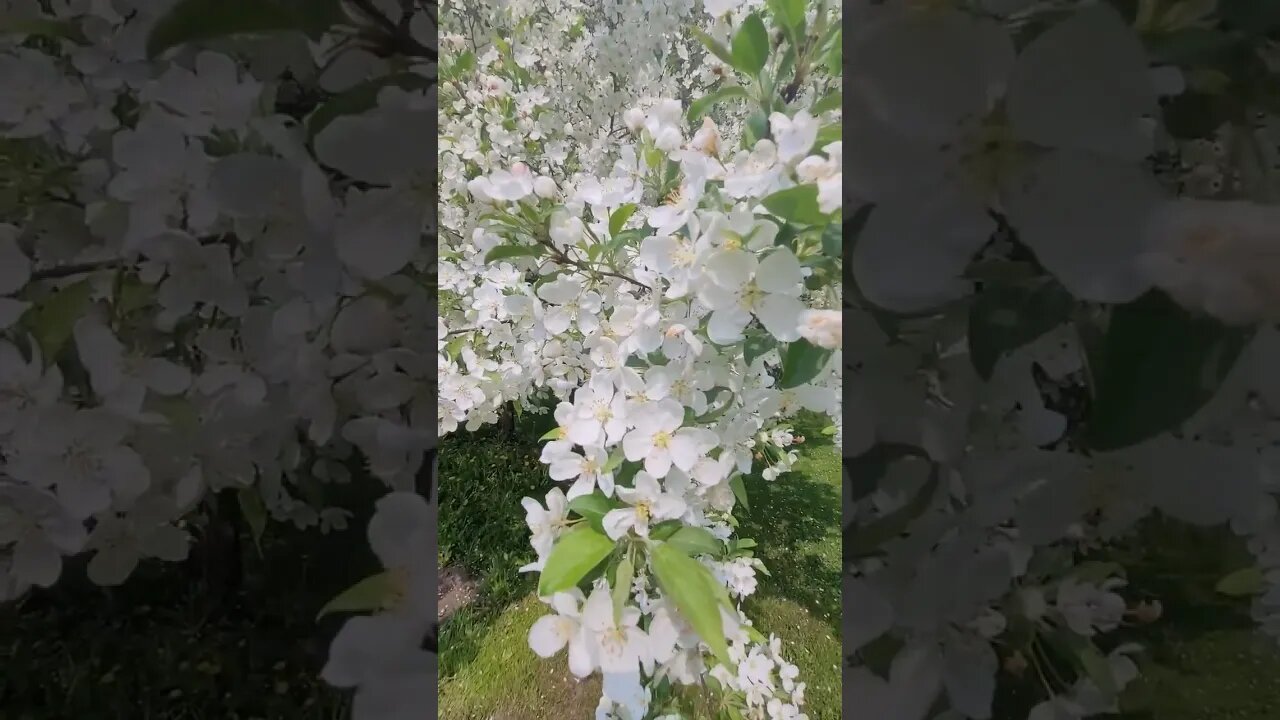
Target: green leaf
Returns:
[[615, 459], [1251, 17], [504, 252], [757, 128], [622, 587], [131, 295], [574, 555], [626, 472], [829, 430], [1004, 318], [1096, 571], [665, 529], [750, 45], [833, 101], [1097, 668], [690, 586], [197, 20], [694, 541], [618, 218], [179, 411], [1158, 364], [714, 47], [864, 471], [1242, 583], [1193, 115], [802, 363], [254, 513], [789, 15], [699, 107], [373, 593], [740, 491], [829, 134], [712, 415], [867, 539], [1191, 46], [833, 241], [755, 635], [757, 344], [462, 65], [40, 27], [798, 204], [593, 508], [835, 54], [555, 433], [359, 99], [52, 320]]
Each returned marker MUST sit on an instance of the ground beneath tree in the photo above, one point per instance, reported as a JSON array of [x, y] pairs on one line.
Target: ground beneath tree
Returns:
[[457, 590]]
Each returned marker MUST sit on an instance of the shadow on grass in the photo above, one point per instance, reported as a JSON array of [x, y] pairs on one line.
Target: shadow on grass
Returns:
[[174, 642], [1204, 657], [796, 520], [483, 476], [790, 518]]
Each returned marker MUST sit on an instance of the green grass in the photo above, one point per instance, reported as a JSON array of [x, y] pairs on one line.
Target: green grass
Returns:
[[504, 680], [1204, 659], [483, 476], [487, 669], [167, 646], [796, 521]]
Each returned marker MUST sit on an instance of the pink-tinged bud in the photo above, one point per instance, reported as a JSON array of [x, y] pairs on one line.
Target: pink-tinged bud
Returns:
[[545, 187]]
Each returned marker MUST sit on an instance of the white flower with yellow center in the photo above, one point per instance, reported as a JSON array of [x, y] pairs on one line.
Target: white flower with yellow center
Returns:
[[587, 470], [551, 633], [649, 503], [772, 295], [546, 524], [659, 440]]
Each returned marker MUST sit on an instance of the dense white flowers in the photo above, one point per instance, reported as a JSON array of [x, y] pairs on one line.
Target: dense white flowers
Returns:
[[629, 290], [227, 293]]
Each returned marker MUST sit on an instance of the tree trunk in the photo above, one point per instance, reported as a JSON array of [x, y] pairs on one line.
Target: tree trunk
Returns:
[[220, 552], [507, 421]]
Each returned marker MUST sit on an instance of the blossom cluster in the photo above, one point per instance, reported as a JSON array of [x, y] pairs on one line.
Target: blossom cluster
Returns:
[[1048, 246], [218, 290], [634, 279]]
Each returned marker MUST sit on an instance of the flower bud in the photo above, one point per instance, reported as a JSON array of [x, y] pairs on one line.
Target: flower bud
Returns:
[[668, 139], [1148, 612], [821, 327], [707, 139], [1016, 664], [633, 118], [544, 186]]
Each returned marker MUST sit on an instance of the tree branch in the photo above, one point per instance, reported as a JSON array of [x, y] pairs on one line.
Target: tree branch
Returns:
[[562, 258], [397, 34], [58, 272]]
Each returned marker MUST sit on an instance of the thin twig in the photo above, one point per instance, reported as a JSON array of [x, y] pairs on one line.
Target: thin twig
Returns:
[[58, 272], [401, 39], [564, 259]]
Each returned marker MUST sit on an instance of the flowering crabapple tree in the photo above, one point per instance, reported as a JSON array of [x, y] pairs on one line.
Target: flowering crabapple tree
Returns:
[[641, 231], [216, 268], [1062, 320]]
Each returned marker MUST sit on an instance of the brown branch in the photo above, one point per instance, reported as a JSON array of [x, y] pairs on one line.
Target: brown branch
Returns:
[[562, 258], [58, 272], [398, 37]]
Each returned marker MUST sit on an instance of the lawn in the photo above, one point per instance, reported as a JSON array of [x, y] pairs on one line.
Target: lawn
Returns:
[[487, 670], [172, 645], [175, 644]]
